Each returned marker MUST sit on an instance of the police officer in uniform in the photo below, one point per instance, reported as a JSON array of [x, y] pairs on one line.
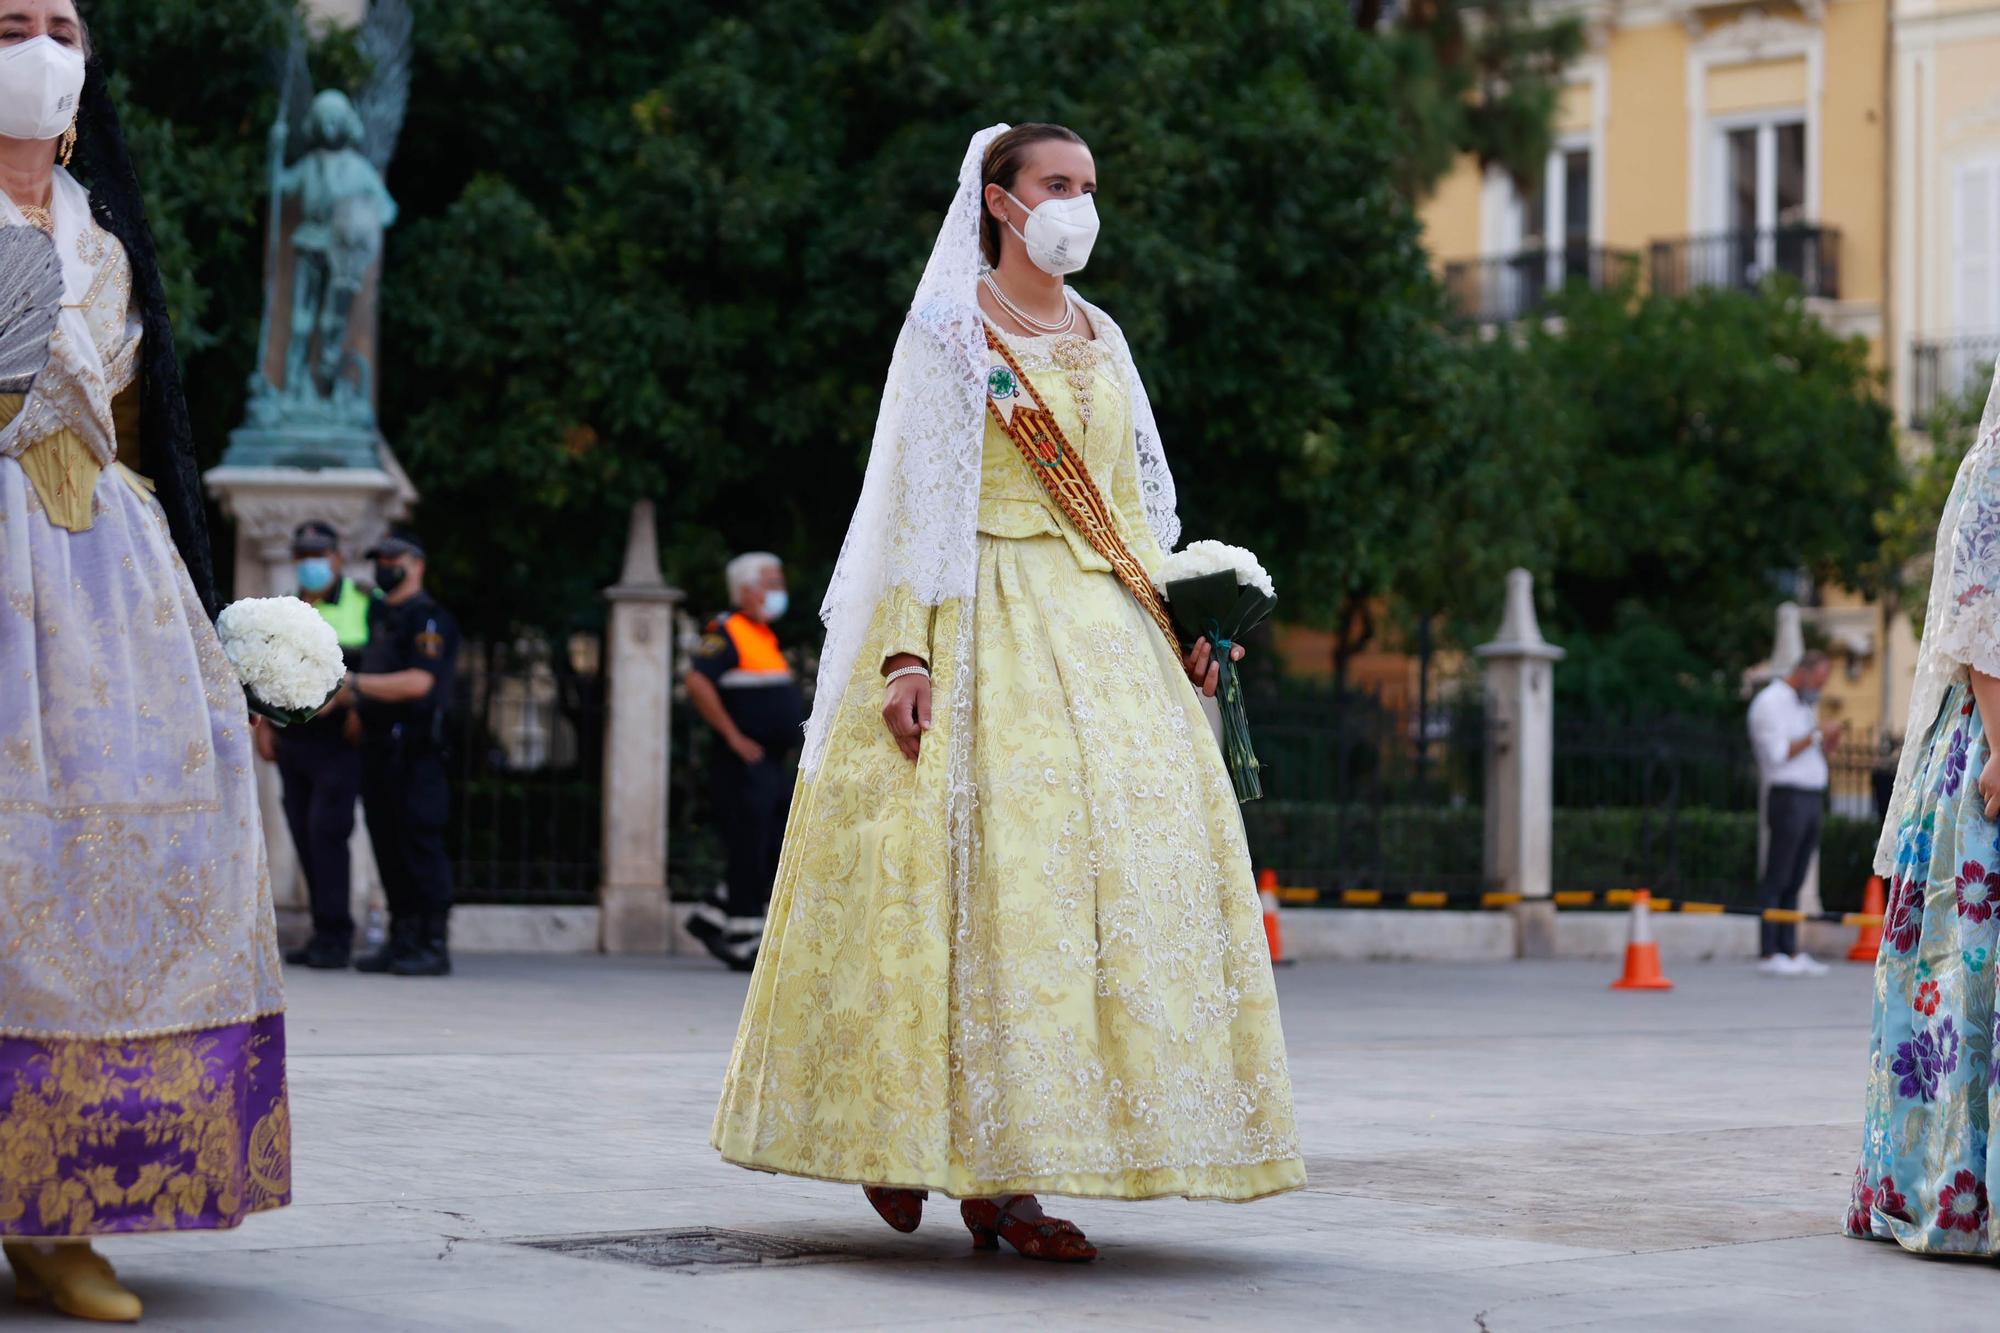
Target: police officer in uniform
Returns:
[[403, 691], [319, 762], [744, 689]]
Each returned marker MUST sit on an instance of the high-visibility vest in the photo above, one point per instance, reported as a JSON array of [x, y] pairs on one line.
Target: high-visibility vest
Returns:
[[348, 614], [758, 660]]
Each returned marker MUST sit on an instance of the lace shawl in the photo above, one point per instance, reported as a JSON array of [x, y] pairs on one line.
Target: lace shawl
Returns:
[[1962, 618], [95, 350], [916, 523]]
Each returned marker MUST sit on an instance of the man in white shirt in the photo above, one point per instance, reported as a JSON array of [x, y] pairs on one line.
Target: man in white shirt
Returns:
[[1791, 750]]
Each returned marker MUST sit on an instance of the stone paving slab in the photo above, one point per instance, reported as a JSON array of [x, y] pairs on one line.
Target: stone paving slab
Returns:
[[1502, 1147]]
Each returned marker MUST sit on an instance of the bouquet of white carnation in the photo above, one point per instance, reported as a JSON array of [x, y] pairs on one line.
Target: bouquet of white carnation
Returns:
[[286, 655], [1220, 593]]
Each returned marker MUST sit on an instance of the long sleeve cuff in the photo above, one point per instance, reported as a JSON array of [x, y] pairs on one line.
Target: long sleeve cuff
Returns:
[[903, 624]]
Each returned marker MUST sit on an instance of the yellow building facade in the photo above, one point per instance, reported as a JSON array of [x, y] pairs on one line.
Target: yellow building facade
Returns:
[[1853, 144], [1699, 145], [1945, 188]]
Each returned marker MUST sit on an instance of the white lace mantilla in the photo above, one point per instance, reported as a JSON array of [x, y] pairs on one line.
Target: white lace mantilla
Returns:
[[1962, 616], [916, 522]]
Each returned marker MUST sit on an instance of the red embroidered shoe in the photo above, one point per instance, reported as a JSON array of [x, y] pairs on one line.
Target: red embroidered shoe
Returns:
[[1048, 1238], [901, 1209]]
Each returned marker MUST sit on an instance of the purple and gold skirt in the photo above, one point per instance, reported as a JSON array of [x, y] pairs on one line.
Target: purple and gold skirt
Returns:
[[178, 1133], [142, 1031]]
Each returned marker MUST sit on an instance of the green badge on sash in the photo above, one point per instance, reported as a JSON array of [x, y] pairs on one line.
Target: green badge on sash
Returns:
[[1004, 389]]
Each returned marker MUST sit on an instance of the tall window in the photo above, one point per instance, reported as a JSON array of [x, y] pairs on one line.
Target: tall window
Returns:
[[1551, 241], [1556, 216], [1763, 202], [1765, 181]]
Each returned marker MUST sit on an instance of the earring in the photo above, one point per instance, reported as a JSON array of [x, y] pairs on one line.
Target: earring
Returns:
[[69, 142]]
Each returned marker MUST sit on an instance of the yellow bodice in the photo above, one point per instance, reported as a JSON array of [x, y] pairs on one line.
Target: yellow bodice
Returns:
[[64, 471], [1081, 383]]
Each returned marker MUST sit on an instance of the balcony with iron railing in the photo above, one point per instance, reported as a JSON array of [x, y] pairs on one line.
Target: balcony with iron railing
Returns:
[[1945, 368], [1742, 260], [1511, 287]]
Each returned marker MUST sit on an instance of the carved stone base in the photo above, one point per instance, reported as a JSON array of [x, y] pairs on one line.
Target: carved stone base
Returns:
[[267, 503]]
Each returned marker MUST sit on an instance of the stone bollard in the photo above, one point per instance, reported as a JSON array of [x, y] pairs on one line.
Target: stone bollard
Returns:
[[635, 914], [1520, 765]]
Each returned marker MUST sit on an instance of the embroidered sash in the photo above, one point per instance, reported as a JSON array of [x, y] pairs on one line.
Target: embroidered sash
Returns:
[[1014, 402]]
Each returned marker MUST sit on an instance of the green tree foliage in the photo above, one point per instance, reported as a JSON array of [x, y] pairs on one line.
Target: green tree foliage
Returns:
[[1719, 442], [1908, 523], [1491, 497], [1477, 77], [662, 249]]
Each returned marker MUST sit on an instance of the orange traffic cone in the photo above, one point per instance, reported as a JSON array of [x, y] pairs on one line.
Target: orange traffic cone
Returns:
[[1868, 940], [1642, 955], [1274, 934]]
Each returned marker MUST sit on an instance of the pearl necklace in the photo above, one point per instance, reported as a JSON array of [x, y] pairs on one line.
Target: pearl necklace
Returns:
[[1026, 320]]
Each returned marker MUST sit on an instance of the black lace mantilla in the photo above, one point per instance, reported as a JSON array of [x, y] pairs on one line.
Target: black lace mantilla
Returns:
[[104, 166]]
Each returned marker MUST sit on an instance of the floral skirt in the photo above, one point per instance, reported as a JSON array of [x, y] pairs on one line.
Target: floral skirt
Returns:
[[1928, 1164], [142, 1038], [1093, 1012]]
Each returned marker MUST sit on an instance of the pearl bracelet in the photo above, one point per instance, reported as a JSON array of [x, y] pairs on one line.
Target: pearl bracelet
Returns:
[[901, 672]]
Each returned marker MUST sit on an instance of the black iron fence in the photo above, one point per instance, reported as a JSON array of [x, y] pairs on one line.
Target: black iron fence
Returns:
[[1743, 259], [1362, 794], [527, 752], [1495, 291], [1943, 369], [695, 858], [1670, 804]]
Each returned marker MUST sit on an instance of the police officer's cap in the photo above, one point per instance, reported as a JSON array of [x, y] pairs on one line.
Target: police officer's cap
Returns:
[[313, 537], [389, 548]]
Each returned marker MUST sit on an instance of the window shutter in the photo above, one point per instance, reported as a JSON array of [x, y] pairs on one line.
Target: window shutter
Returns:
[[1975, 270]]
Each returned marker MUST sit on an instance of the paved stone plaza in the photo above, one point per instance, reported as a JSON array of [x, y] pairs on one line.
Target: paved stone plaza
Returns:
[[1497, 1146]]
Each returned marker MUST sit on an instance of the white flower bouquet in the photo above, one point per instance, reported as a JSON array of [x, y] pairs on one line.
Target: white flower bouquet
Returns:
[[286, 655], [1220, 593]]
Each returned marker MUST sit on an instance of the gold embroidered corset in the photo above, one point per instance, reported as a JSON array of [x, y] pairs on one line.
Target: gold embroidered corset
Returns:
[[82, 415]]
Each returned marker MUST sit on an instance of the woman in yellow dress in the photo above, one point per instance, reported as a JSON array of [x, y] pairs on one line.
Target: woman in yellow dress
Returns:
[[1015, 946]]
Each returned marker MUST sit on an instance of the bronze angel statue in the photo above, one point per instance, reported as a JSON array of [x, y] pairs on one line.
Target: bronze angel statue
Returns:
[[329, 207]]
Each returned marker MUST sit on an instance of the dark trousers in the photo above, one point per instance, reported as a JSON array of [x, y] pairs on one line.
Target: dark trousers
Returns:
[[321, 774], [407, 798], [1792, 814], [751, 803]]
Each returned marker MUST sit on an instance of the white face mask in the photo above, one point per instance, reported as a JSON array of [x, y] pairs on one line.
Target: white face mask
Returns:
[[41, 81], [775, 604], [1060, 233]]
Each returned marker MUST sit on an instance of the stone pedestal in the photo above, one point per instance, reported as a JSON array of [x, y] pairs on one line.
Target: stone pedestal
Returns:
[[1520, 764], [636, 917], [266, 504]]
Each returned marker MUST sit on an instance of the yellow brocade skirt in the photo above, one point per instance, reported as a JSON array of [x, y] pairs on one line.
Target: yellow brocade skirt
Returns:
[[1093, 1013]]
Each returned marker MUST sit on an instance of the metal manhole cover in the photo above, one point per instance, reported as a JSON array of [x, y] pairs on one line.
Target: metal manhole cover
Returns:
[[690, 1247]]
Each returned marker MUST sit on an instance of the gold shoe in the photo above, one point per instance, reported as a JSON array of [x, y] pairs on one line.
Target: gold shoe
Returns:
[[75, 1279]]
